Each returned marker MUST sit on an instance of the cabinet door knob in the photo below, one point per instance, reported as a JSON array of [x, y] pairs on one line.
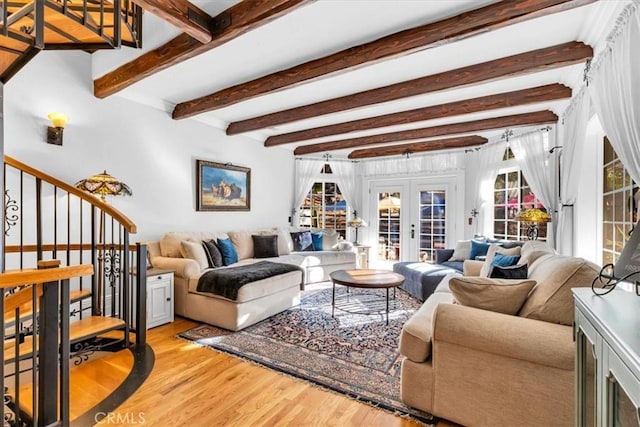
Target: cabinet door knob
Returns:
[[168, 299], [159, 278]]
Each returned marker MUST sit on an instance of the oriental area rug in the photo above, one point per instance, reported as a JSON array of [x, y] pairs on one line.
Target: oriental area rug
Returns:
[[354, 353]]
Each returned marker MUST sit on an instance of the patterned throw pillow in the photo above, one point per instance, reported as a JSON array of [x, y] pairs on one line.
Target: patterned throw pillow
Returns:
[[265, 246], [302, 241], [228, 251]]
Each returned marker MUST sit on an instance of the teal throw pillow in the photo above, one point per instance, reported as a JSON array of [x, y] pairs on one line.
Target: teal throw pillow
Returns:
[[316, 237], [478, 249], [505, 260], [228, 251]]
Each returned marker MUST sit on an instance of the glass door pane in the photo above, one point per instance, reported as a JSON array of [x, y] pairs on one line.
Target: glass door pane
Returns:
[[586, 380], [389, 227], [432, 217]]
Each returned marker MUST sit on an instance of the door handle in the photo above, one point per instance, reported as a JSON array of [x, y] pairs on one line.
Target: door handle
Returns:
[[413, 231]]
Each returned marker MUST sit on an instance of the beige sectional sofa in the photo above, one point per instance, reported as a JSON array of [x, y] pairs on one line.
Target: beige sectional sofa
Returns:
[[479, 367], [257, 300]]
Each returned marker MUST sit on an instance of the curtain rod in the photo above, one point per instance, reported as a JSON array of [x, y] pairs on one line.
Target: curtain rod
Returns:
[[595, 63], [324, 158], [507, 135], [327, 157]]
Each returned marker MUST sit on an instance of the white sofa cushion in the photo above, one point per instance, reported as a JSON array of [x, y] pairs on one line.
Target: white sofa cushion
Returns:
[[195, 251]]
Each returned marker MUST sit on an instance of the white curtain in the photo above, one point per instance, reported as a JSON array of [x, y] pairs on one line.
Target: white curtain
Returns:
[[414, 164], [615, 90], [345, 176], [306, 172], [481, 170], [536, 163], [573, 135]]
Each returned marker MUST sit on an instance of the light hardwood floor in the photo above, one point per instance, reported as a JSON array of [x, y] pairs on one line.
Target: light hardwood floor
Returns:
[[195, 386]]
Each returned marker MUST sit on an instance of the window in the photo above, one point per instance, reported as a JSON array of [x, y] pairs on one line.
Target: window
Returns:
[[324, 206], [511, 195], [619, 204]]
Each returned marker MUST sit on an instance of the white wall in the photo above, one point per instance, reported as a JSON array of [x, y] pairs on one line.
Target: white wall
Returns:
[[142, 146]]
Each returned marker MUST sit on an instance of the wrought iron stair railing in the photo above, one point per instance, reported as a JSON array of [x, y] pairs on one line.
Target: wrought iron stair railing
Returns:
[[47, 219]]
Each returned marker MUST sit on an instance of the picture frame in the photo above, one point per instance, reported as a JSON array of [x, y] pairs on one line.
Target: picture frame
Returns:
[[222, 187]]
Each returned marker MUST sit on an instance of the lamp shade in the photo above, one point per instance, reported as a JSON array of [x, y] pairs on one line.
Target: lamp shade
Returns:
[[356, 222], [533, 216], [59, 120], [104, 185]]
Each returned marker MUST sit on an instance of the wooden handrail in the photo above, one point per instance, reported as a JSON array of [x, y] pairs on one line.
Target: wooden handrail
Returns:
[[10, 279], [47, 247], [113, 212]]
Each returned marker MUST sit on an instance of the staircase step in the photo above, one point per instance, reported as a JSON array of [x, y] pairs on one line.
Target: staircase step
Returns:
[[88, 327], [26, 309], [89, 375]]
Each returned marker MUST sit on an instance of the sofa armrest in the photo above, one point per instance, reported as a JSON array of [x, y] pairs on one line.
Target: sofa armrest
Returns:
[[471, 267], [443, 255], [535, 341], [183, 267]]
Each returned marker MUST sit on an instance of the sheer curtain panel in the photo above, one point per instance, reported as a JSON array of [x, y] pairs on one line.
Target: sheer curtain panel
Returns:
[[573, 134], [306, 172], [615, 89], [534, 160], [344, 173], [481, 169]]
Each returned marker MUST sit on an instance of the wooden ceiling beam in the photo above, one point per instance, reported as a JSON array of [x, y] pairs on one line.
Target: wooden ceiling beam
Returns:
[[551, 92], [529, 62], [235, 21], [419, 147], [182, 14], [439, 33], [525, 119]]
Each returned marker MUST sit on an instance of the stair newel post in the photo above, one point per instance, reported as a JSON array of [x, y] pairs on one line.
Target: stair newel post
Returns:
[[65, 349], [48, 358], [141, 294], [126, 289]]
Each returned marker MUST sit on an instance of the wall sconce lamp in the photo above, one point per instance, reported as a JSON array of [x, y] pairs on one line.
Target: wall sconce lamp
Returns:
[[54, 133]]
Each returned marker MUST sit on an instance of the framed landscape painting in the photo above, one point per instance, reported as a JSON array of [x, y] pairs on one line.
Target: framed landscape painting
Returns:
[[222, 187]]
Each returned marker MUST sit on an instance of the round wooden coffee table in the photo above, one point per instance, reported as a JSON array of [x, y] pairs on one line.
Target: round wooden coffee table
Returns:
[[364, 278]]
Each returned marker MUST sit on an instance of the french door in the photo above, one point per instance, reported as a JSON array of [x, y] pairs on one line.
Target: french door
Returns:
[[409, 220]]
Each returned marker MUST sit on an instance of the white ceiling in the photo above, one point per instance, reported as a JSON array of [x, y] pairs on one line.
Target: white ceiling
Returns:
[[327, 26]]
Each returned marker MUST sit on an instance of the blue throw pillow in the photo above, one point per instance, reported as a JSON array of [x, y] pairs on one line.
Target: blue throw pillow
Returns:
[[505, 260], [228, 251], [478, 249], [316, 237]]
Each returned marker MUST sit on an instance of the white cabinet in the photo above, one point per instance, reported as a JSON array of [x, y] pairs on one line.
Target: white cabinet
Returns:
[[159, 297], [607, 333]]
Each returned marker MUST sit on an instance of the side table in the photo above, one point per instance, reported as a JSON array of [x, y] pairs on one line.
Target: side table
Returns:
[[159, 297]]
